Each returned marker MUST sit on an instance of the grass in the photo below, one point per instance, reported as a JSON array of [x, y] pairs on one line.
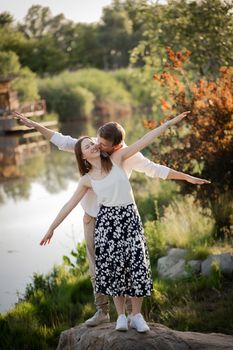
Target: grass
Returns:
[[64, 297], [198, 304]]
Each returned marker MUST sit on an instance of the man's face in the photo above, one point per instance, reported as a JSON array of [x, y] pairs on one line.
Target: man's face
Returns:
[[105, 145]]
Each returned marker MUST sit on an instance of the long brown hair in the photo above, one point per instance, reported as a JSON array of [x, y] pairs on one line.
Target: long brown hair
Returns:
[[83, 165]]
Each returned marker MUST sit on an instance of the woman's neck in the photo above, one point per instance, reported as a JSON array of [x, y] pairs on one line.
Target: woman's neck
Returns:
[[97, 172], [96, 165]]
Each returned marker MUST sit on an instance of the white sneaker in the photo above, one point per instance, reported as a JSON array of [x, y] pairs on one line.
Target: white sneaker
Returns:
[[122, 324], [138, 322], [98, 318]]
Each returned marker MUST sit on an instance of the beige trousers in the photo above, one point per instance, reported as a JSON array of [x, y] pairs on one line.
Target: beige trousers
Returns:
[[101, 300]]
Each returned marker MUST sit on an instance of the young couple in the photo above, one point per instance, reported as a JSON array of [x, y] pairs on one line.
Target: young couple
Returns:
[[116, 247]]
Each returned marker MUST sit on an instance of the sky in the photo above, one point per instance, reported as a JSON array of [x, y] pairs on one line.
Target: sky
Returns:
[[77, 10]]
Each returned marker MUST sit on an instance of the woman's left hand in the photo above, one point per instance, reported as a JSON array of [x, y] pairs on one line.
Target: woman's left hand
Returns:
[[197, 181]]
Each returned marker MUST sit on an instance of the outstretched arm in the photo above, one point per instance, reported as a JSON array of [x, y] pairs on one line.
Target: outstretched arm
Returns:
[[129, 151], [177, 175], [66, 209], [63, 142], [47, 133]]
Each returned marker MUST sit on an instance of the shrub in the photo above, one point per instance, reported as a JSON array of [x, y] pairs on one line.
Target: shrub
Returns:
[[76, 94], [70, 102], [185, 224], [9, 64], [26, 85]]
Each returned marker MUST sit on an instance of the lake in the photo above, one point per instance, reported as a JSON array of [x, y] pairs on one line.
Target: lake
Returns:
[[28, 204]]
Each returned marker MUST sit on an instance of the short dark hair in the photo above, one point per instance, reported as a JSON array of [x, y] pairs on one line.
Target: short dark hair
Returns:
[[83, 165], [112, 132]]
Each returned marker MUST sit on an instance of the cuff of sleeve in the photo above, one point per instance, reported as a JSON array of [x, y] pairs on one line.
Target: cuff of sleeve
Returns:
[[55, 138], [164, 172]]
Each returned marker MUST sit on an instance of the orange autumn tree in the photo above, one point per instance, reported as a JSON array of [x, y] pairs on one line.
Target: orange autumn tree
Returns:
[[203, 146]]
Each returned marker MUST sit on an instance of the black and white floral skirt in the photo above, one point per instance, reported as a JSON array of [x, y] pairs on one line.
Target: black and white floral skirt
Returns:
[[122, 261]]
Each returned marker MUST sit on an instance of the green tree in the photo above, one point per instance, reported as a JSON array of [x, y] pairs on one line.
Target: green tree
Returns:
[[203, 27], [9, 64], [117, 33], [6, 19], [37, 22]]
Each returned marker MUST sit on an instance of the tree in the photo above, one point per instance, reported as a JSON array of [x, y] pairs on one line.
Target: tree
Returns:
[[203, 27], [36, 22], [6, 19], [9, 64], [204, 147]]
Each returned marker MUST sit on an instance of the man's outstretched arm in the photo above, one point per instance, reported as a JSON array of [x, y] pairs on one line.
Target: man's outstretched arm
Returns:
[[63, 142], [47, 133], [178, 175], [142, 164]]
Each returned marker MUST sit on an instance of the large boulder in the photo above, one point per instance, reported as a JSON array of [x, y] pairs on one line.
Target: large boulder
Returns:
[[105, 337], [172, 266], [225, 262]]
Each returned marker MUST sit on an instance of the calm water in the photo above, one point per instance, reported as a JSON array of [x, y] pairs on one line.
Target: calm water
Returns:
[[30, 197], [28, 204]]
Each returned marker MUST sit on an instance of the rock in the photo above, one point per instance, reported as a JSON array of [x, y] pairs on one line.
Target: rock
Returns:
[[224, 260], [194, 266], [172, 266], [105, 337], [177, 253]]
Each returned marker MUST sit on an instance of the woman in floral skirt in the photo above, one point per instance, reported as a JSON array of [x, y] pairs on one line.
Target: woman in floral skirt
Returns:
[[122, 262]]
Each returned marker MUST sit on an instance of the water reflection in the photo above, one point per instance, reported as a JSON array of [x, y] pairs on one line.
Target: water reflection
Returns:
[[34, 184], [22, 163], [33, 189]]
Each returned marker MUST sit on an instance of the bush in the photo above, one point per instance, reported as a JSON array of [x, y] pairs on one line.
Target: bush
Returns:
[[70, 102], [139, 86], [9, 64], [26, 85], [103, 85], [185, 224], [75, 94]]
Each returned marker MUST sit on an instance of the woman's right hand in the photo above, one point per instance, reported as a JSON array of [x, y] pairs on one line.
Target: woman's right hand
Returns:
[[47, 237]]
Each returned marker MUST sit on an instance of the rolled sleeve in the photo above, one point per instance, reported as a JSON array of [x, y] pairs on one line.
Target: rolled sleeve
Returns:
[[63, 142], [142, 164]]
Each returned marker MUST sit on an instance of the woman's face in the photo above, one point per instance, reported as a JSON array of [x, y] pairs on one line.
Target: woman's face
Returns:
[[89, 149]]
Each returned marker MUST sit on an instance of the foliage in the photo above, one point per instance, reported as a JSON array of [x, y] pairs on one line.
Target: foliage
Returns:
[[204, 146], [51, 303], [195, 304], [9, 64], [70, 103], [203, 27], [26, 85], [103, 45], [139, 86], [75, 94], [184, 224]]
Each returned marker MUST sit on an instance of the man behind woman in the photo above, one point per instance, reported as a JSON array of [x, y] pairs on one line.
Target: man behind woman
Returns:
[[110, 138], [122, 265]]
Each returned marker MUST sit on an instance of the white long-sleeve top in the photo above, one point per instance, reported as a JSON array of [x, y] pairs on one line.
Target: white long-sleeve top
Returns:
[[137, 162]]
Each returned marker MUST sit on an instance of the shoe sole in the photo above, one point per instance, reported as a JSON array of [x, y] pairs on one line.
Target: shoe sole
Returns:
[[96, 324], [140, 331], [122, 329]]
